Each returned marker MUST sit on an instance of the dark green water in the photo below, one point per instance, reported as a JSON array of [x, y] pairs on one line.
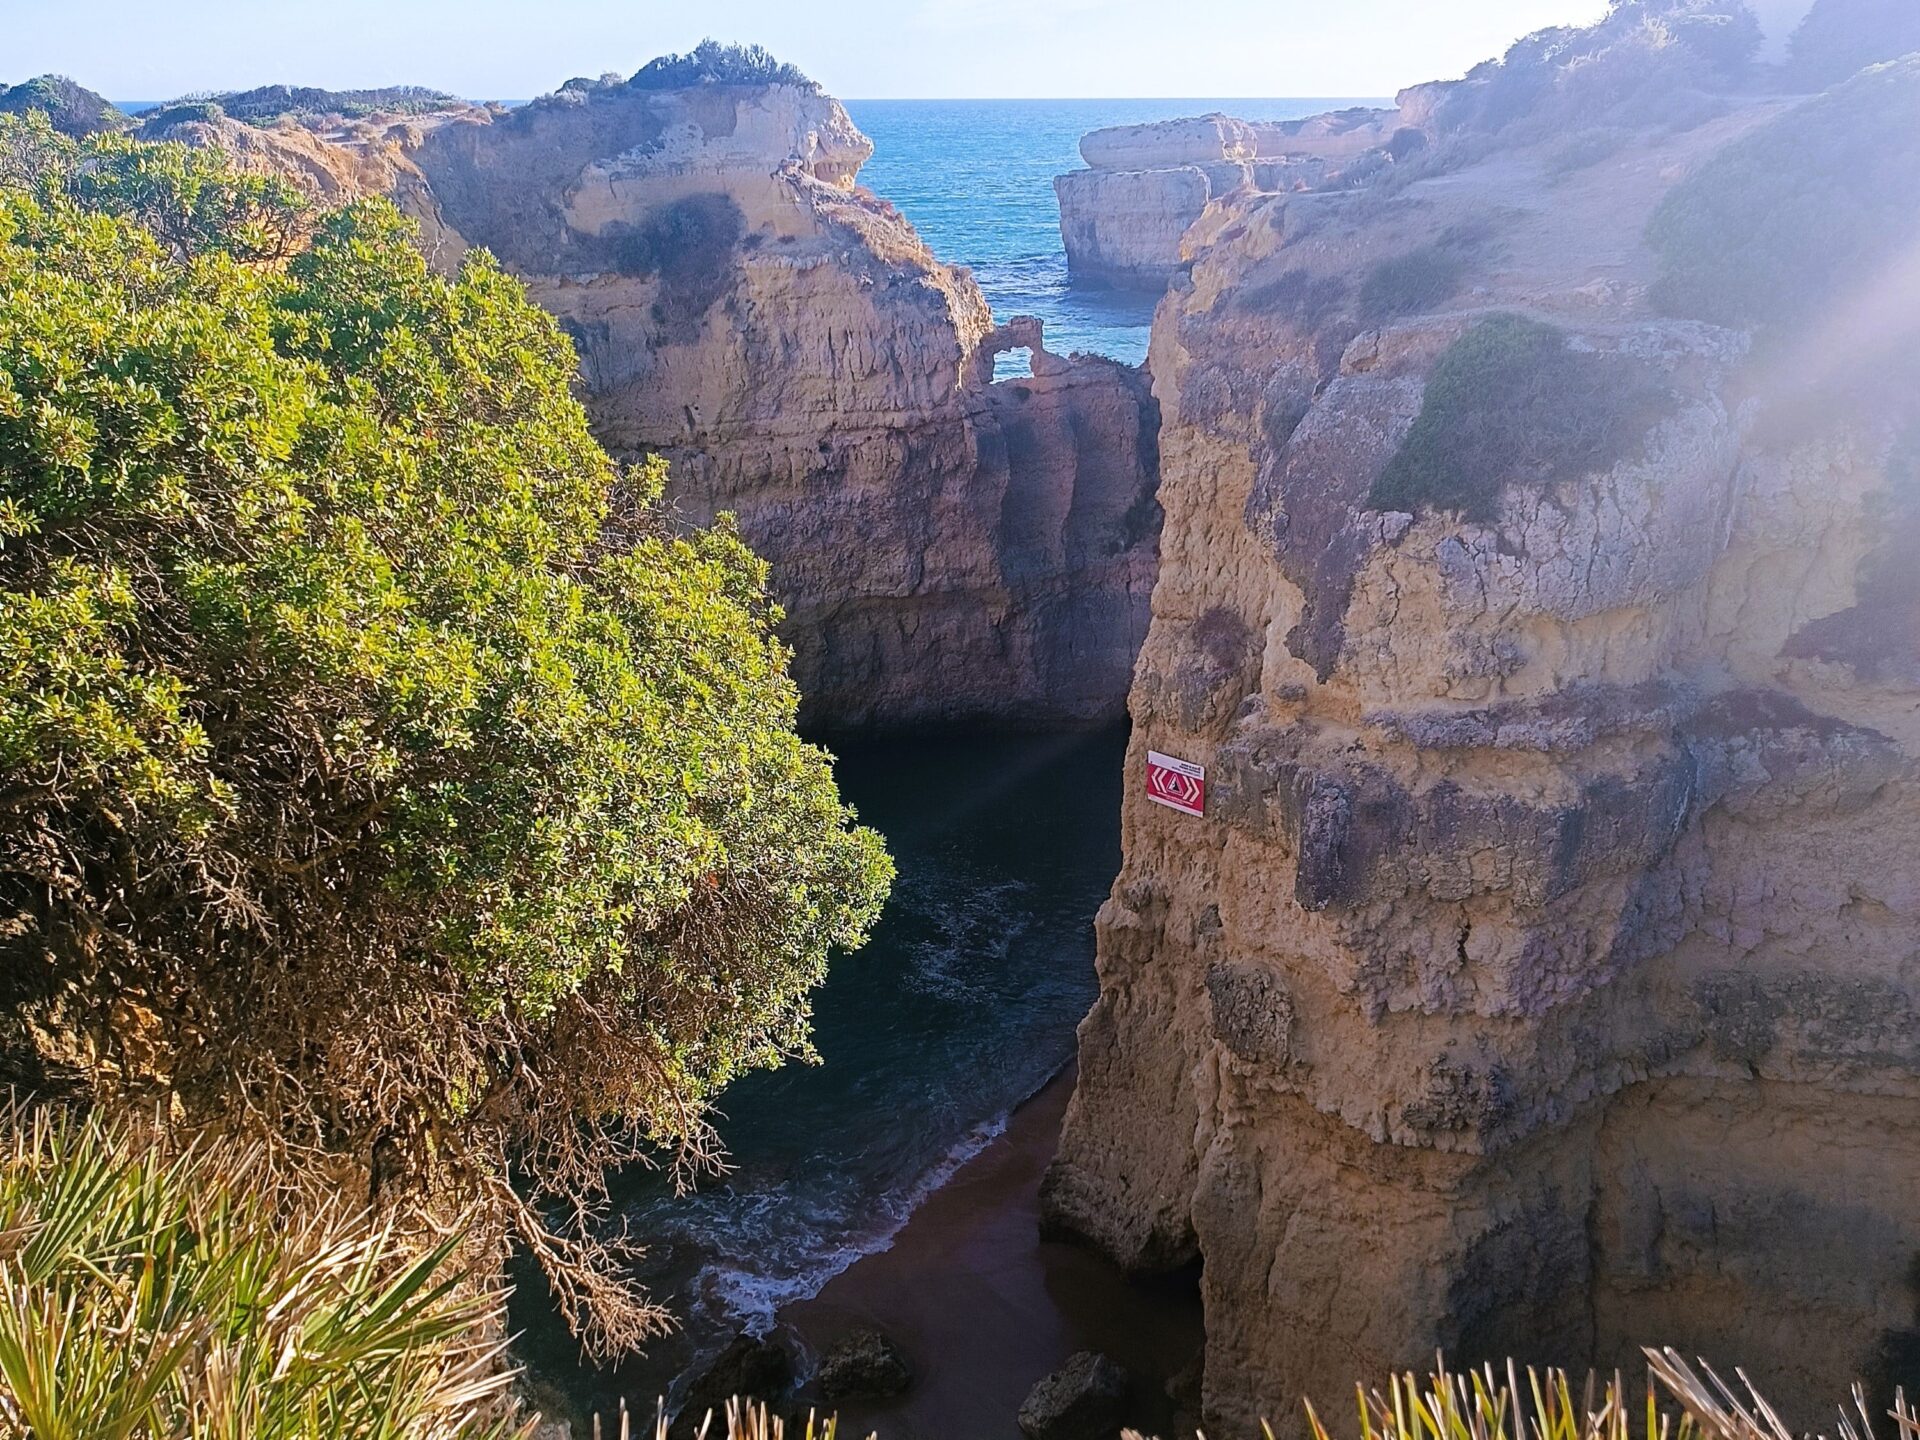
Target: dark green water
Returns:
[[962, 1005]]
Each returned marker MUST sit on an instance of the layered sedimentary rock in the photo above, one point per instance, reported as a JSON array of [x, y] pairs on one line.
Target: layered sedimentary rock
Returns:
[[1543, 977], [948, 550], [1122, 218]]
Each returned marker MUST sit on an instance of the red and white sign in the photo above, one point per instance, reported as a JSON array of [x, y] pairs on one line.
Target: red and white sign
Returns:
[[1178, 784]]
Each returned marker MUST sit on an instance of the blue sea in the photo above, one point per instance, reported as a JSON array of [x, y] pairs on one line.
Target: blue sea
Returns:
[[976, 179]]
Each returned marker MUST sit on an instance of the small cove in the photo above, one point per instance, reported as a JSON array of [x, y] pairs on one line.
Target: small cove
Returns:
[[962, 1006]]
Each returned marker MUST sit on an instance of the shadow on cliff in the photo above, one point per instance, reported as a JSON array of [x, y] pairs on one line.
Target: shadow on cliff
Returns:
[[1895, 1364]]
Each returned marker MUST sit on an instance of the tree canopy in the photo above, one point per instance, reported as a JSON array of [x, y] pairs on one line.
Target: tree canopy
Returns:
[[377, 769]]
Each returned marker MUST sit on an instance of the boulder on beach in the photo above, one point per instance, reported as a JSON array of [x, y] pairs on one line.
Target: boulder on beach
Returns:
[[864, 1364], [753, 1367], [1085, 1399]]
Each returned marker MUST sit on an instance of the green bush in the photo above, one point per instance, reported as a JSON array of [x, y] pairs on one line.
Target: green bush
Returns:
[[159, 1293], [1772, 228], [1411, 283], [183, 112], [371, 777], [1298, 295], [270, 103], [711, 63], [1642, 66], [1511, 402], [1841, 37], [190, 200]]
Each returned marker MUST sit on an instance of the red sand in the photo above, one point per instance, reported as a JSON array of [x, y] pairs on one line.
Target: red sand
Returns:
[[983, 1307]]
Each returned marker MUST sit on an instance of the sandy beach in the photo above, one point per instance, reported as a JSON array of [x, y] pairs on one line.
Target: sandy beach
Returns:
[[983, 1307]]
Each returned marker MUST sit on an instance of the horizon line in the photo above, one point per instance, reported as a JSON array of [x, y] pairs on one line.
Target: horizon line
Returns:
[[843, 99]]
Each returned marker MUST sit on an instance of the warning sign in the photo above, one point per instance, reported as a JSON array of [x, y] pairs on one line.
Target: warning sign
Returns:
[[1178, 784]]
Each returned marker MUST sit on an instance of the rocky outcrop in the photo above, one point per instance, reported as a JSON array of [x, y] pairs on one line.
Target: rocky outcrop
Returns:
[[1085, 1399], [1542, 976], [70, 108], [948, 550], [864, 1363], [1122, 218]]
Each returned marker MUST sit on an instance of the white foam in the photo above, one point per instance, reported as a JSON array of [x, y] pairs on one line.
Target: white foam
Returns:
[[751, 1295]]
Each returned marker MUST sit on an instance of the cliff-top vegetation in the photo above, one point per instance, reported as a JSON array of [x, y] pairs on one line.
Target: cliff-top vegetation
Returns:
[[1511, 402], [712, 63], [268, 104], [70, 107], [381, 775], [1774, 227], [1839, 38]]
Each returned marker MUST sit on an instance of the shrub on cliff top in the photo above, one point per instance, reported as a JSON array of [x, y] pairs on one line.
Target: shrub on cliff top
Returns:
[[1408, 284], [1641, 66], [1775, 227], [187, 198], [71, 108], [1511, 402], [267, 104], [711, 63], [377, 769], [1841, 37]]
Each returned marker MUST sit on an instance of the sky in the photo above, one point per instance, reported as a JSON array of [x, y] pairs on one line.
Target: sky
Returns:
[[858, 49]]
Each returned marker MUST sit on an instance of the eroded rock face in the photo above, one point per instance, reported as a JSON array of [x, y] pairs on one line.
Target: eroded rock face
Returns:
[[1122, 218], [1542, 977], [948, 550]]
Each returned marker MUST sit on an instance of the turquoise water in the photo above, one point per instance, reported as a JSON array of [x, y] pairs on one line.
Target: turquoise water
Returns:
[[976, 179]]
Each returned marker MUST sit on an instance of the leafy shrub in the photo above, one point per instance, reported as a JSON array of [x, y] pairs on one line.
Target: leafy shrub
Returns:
[[711, 63], [267, 104], [1770, 229], [1297, 295], [1841, 37], [1639, 67], [184, 112], [159, 1293], [1511, 401], [189, 199], [1411, 283], [372, 778]]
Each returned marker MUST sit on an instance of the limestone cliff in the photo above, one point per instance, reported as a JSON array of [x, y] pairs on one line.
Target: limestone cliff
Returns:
[[1543, 976], [1121, 218], [948, 550]]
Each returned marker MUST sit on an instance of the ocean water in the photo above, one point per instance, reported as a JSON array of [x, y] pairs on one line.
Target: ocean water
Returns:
[[962, 1005], [976, 179]]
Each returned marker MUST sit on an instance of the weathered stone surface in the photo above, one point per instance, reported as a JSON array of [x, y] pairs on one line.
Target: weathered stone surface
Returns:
[[752, 1367], [863, 1363], [1123, 218], [1085, 1399], [1541, 979], [1122, 228]]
